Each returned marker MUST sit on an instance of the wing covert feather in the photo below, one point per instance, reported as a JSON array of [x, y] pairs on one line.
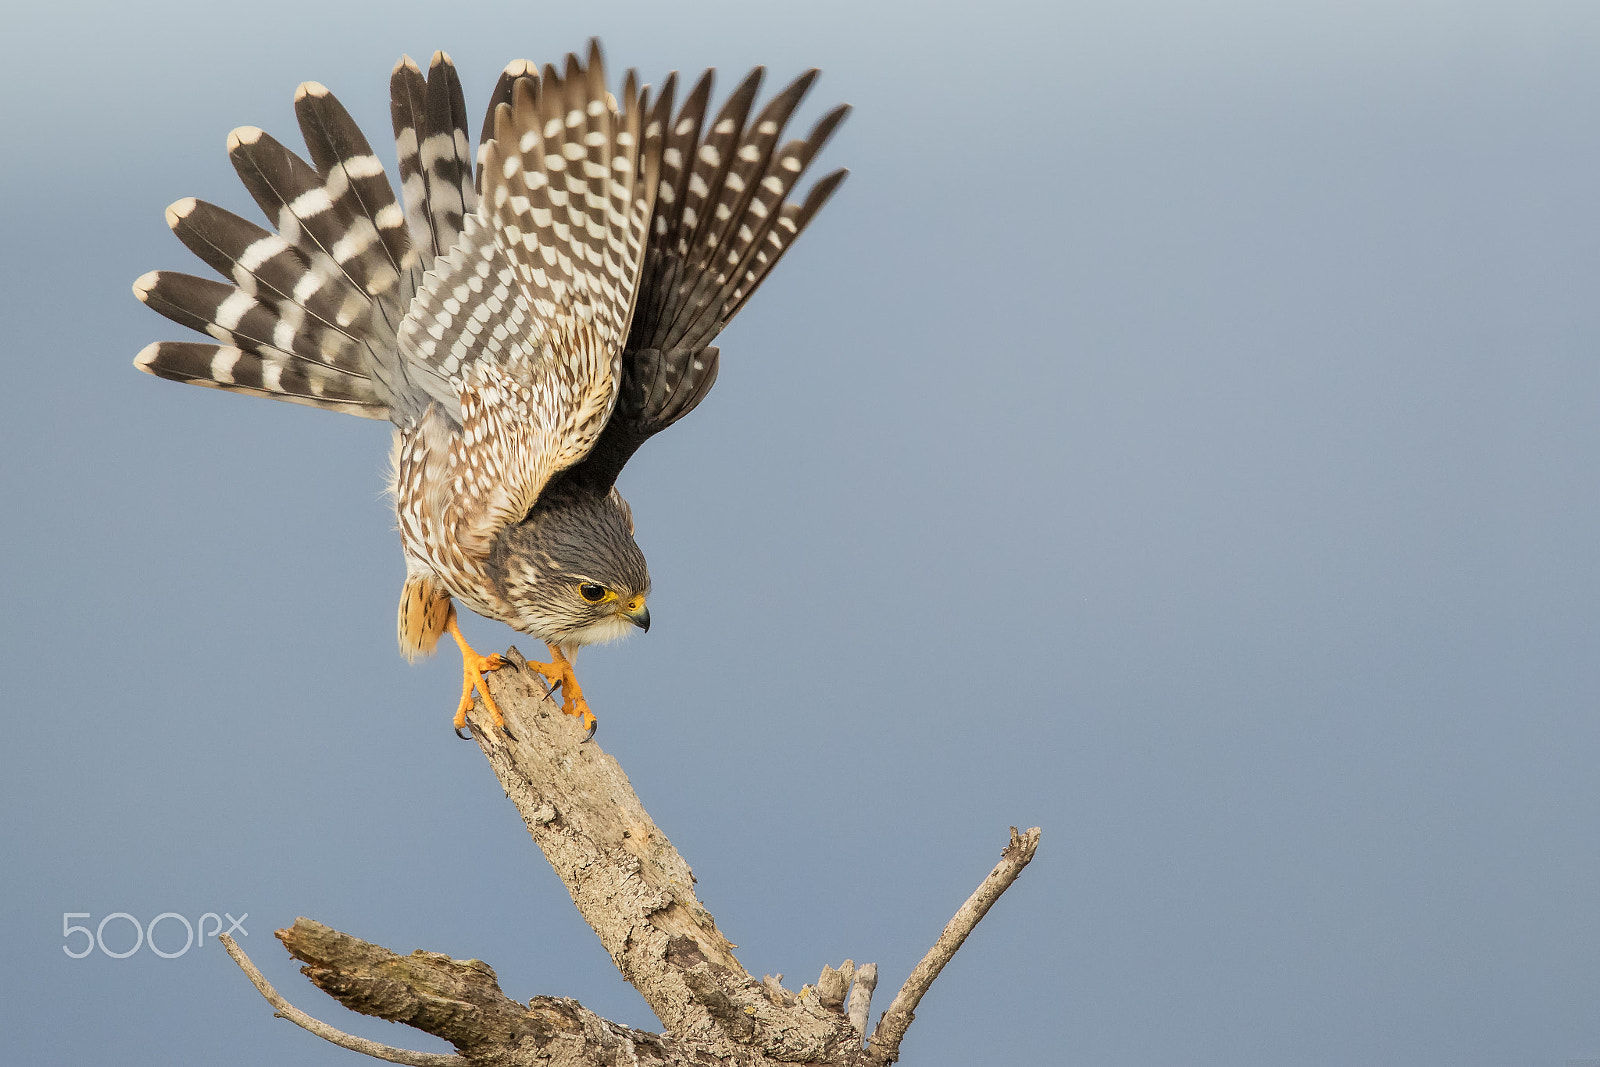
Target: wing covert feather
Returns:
[[527, 315]]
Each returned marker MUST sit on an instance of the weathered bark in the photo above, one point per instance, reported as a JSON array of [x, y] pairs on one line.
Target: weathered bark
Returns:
[[637, 894]]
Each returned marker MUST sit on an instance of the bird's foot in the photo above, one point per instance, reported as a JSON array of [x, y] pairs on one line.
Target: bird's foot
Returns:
[[560, 676], [473, 667]]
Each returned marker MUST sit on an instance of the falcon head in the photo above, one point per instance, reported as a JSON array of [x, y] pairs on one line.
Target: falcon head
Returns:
[[571, 571]]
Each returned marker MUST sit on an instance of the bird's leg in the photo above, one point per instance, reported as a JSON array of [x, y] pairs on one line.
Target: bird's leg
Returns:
[[559, 673], [472, 668]]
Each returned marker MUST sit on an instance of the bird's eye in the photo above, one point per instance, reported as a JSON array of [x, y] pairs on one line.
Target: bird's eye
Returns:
[[591, 592]]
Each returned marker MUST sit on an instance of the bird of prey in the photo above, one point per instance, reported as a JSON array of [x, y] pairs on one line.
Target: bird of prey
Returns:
[[525, 328]]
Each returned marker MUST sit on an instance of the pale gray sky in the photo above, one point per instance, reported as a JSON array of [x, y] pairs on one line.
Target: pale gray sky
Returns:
[[1180, 433]]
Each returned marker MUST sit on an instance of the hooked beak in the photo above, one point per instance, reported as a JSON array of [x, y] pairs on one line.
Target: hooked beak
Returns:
[[640, 617]]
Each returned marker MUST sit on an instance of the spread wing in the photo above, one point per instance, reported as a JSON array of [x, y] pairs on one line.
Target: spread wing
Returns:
[[722, 220], [527, 315]]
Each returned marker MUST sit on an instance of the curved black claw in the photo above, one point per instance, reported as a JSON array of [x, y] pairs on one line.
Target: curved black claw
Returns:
[[464, 736], [592, 728]]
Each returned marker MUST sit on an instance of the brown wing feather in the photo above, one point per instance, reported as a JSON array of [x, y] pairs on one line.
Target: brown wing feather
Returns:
[[722, 221], [527, 315]]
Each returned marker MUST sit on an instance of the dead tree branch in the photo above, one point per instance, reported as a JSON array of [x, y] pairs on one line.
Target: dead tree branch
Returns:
[[886, 1038], [284, 1010], [637, 894]]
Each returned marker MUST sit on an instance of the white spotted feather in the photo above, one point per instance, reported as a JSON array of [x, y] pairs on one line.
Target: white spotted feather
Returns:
[[526, 316]]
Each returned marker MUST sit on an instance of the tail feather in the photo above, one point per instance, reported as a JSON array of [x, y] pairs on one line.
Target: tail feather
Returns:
[[447, 152], [430, 133], [319, 218], [224, 311], [308, 314], [260, 262], [230, 245], [350, 170], [254, 374], [236, 318]]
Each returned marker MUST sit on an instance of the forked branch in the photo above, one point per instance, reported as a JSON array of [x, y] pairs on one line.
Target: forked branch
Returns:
[[637, 894], [284, 1010]]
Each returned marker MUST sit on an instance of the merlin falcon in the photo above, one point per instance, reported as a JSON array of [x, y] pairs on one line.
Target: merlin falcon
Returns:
[[526, 323]]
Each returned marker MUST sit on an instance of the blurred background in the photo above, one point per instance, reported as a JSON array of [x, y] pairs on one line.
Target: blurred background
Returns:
[[1179, 433]]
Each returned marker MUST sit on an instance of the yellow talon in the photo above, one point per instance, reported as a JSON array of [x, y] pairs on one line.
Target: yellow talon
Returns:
[[473, 667], [559, 673]]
